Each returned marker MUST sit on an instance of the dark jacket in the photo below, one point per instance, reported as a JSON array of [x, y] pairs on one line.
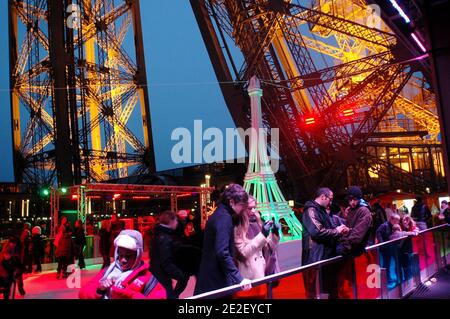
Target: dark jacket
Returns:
[[319, 236], [384, 232], [379, 216], [162, 260], [420, 212], [7, 270], [65, 246], [37, 246], [359, 220], [447, 215], [217, 269], [80, 237], [105, 241]]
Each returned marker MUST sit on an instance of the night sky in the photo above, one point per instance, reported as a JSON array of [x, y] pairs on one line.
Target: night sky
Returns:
[[182, 83]]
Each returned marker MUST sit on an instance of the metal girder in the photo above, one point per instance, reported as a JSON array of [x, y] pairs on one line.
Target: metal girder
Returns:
[[158, 189], [38, 33], [232, 92], [381, 105], [304, 62], [420, 115], [340, 25], [253, 32], [342, 71], [404, 30], [96, 23], [25, 76], [113, 119], [37, 109], [323, 47]]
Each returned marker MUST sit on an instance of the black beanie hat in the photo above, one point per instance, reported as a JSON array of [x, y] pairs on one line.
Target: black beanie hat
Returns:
[[354, 192]]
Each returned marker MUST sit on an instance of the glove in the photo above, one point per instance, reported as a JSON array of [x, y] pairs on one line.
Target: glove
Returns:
[[266, 228], [121, 293], [276, 229]]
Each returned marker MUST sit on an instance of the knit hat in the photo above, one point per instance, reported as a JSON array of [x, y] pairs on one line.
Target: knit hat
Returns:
[[183, 214], [354, 192], [130, 239], [36, 230]]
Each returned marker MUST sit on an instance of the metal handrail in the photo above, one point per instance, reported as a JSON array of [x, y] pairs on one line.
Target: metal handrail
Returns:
[[226, 291], [256, 282], [385, 243]]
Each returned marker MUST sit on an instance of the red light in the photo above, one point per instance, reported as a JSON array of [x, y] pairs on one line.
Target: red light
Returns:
[[310, 120], [141, 197], [348, 112], [74, 197], [184, 195], [116, 196]]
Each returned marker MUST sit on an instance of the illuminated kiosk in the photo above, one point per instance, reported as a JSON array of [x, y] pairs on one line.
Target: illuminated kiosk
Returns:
[[261, 183]]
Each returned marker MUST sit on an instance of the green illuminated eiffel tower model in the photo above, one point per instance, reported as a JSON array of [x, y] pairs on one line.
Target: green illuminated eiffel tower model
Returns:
[[260, 180]]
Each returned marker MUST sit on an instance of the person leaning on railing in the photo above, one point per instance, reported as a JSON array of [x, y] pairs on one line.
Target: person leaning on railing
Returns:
[[217, 268], [319, 240], [359, 222], [255, 247]]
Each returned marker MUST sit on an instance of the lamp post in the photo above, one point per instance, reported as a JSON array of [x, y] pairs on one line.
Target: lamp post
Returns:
[[208, 195], [10, 210]]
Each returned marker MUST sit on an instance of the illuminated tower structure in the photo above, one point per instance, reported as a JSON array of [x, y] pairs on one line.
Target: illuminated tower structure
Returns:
[[348, 87], [260, 180], [79, 102]]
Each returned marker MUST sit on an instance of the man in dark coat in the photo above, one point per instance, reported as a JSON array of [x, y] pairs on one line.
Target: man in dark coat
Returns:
[[421, 214], [378, 218], [80, 243], [319, 236], [162, 260], [359, 222], [217, 268]]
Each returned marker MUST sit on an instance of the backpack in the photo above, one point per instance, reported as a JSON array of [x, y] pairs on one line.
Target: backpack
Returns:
[[150, 285]]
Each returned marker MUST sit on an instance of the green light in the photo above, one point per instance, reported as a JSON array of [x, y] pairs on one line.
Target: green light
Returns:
[[63, 190], [45, 192]]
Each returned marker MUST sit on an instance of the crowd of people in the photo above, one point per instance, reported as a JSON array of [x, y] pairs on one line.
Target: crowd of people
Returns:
[[331, 230], [24, 253], [235, 247]]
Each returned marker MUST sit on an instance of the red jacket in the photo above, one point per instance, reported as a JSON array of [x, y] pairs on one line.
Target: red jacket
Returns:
[[134, 285]]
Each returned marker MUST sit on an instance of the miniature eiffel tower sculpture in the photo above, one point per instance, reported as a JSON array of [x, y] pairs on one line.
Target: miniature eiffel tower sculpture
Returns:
[[260, 180]]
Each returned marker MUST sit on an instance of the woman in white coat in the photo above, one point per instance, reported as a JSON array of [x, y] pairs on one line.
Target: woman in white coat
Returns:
[[249, 243]]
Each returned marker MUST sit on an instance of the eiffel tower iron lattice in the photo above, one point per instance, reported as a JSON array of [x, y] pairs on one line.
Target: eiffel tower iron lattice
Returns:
[[322, 60], [77, 77]]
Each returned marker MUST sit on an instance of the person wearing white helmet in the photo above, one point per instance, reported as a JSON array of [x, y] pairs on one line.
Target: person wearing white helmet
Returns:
[[128, 276]]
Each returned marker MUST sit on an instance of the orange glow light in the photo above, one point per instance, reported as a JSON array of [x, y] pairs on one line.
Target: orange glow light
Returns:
[[349, 112], [310, 120]]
